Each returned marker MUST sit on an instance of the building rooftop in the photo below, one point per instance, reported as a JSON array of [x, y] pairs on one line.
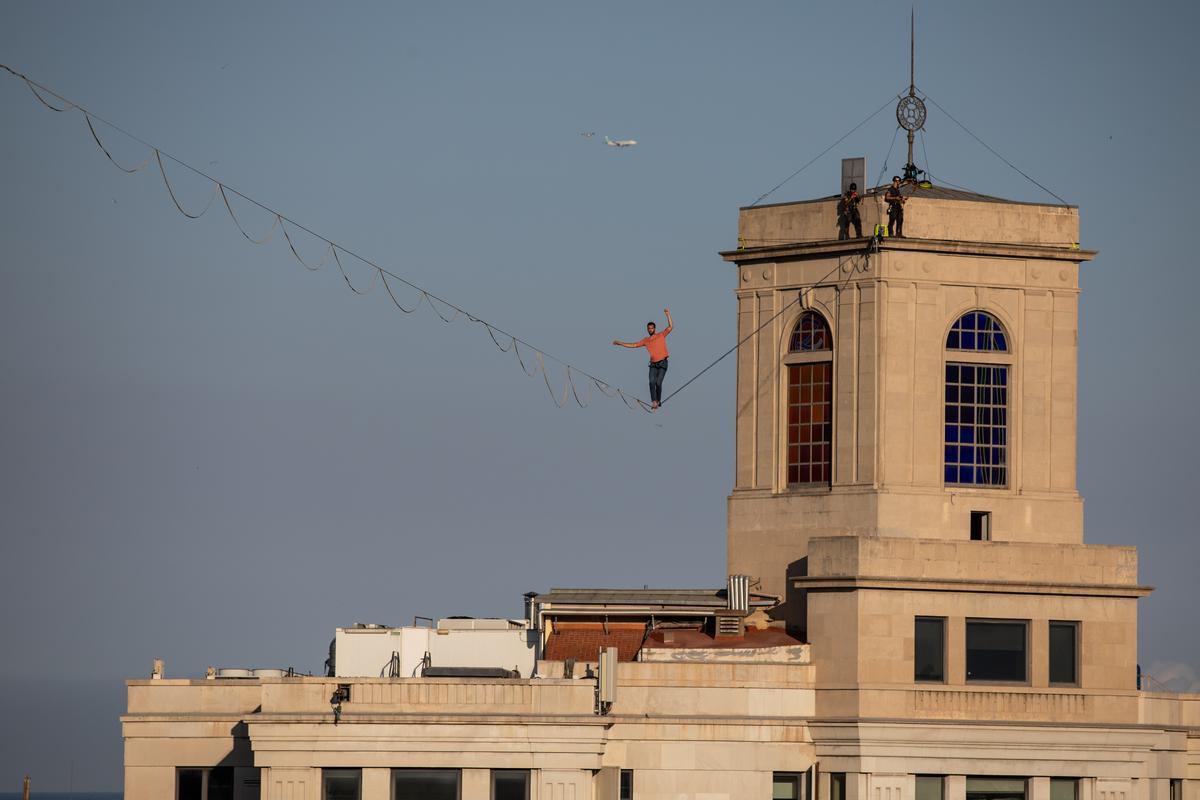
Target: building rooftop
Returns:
[[707, 599], [933, 192]]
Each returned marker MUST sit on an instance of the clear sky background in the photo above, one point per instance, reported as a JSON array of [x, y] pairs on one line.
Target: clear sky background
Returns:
[[212, 456]]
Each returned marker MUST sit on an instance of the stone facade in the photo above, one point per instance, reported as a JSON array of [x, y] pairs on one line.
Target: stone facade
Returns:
[[860, 562]]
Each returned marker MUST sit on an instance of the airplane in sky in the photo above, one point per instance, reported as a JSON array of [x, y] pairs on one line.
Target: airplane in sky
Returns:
[[620, 142]]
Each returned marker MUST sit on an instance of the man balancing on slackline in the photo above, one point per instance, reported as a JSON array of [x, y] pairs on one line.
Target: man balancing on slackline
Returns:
[[656, 346]]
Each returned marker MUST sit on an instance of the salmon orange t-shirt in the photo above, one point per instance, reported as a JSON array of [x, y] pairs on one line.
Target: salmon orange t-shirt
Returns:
[[656, 345]]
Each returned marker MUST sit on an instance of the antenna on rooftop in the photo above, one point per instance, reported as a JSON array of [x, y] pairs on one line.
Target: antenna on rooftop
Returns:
[[910, 111]]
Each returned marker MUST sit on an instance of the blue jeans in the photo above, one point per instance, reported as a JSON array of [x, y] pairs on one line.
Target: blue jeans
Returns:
[[658, 370]]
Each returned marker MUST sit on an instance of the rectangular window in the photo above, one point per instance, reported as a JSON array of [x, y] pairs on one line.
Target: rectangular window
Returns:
[[995, 788], [510, 784], [189, 784], [1064, 646], [426, 784], [626, 784], [981, 526], [1064, 789], [1176, 789], [837, 786], [204, 783], [930, 787], [341, 784], [220, 783], [929, 654], [976, 446], [810, 423], [996, 650], [787, 786]]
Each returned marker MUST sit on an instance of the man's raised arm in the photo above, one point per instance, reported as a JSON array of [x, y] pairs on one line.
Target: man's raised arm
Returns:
[[670, 324]]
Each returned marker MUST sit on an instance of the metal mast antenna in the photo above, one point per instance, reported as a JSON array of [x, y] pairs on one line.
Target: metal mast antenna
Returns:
[[910, 111]]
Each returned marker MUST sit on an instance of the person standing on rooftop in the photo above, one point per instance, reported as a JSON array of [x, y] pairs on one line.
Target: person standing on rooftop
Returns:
[[895, 211], [656, 345]]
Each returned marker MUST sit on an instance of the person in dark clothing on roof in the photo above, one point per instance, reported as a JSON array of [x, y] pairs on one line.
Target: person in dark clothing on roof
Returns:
[[656, 345], [895, 210], [848, 213]]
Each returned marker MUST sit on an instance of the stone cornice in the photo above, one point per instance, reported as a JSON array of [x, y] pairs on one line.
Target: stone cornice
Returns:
[[965, 585], [851, 247]]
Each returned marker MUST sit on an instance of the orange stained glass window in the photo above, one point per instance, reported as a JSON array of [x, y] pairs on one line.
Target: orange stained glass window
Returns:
[[809, 423]]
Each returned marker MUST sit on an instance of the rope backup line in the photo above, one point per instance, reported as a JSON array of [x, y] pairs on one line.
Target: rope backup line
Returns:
[[266, 237], [162, 170], [283, 220], [818, 156], [992, 150], [292, 247], [103, 149], [361, 293]]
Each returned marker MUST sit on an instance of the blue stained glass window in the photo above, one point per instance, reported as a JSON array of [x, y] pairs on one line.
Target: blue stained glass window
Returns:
[[811, 334], [979, 331], [976, 438]]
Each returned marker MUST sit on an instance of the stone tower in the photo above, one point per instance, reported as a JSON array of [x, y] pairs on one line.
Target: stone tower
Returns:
[[915, 388]]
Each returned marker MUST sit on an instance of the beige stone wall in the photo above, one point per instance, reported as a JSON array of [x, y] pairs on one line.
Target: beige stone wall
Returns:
[[865, 593], [924, 217], [688, 730], [889, 314]]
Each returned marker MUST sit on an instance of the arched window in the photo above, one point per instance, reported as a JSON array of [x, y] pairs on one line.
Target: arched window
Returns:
[[809, 402], [811, 334], [977, 380], [977, 330]]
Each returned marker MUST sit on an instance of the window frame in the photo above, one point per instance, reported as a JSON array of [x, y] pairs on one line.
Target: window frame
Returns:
[[975, 358], [206, 779], [1076, 661], [621, 795], [1074, 786], [1025, 785], [413, 770], [801, 779], [837, 777], [800, 358], [494, 773], [340, 772], [941, 784], [943, 622], [1027, 627]]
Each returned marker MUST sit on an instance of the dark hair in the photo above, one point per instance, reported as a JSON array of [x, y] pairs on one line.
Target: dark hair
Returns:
[[895, 177], [651, 322], [853, 185]]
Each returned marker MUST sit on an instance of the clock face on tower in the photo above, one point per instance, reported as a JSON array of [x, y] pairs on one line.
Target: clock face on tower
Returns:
[[910, 113]]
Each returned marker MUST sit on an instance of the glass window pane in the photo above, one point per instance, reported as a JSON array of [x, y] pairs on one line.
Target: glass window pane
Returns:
[[929, 661], [510, 784], [1063, 788], [996, 787], [810, 334], [1062, 652], [810, 403], [996, 651], [425, 784], [341, 784], [626, 784], [785, 786], [220, 783], [837, 786], [190, 783], [929, 787]]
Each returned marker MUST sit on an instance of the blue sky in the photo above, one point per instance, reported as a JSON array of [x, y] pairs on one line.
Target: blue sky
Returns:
[[214, 456]]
